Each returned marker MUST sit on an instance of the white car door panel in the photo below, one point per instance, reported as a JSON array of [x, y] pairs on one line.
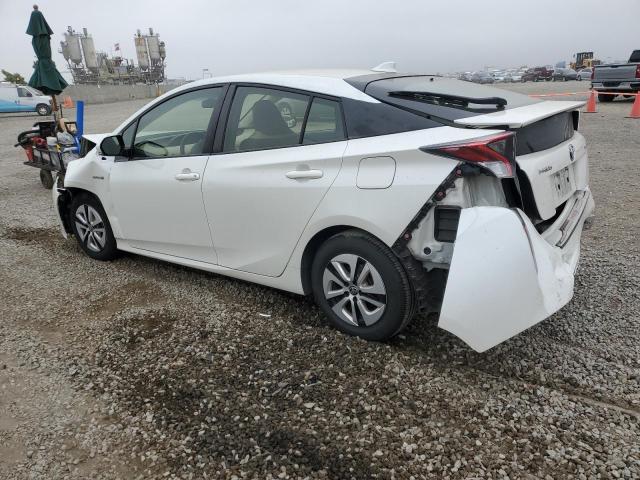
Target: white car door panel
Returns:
[[258, 203], [158, 203]]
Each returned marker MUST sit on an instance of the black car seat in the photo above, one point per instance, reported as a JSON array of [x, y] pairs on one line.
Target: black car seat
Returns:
[[270, 129]]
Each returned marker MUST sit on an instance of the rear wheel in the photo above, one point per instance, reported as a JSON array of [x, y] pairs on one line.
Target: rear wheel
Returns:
[[361, 286], [43, 109], [91, 228], [606, 98]]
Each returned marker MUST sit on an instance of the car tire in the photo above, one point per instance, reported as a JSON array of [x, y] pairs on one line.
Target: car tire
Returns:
[[361, 286], [606, 98], [43, 109], [91, 228]]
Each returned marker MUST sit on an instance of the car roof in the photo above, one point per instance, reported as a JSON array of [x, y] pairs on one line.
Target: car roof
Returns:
[[328, 82]]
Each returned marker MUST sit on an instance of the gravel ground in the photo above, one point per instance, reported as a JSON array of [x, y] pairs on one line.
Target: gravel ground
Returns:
[[141, 369]]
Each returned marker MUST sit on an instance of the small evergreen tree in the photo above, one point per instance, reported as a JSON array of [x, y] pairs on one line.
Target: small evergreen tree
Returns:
[[13, 78]]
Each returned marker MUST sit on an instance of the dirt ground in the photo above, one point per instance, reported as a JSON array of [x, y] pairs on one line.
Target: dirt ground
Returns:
[[141, 369]]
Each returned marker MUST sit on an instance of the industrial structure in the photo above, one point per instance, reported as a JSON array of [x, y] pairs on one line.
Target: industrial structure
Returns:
[[89, 66]]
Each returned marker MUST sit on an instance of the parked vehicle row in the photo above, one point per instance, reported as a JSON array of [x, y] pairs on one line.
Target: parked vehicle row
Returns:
[[536, 74], [378, 194]]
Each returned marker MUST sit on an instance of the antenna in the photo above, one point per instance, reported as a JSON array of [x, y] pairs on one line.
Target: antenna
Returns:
[[389, 67]]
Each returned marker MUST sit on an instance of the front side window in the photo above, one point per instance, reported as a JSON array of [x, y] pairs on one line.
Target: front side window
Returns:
[[23, 92], [176, 127], [324, 122], [264, 118]]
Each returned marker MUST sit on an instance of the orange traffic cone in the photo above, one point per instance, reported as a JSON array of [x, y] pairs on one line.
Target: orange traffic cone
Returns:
[[635, 109], [591, 104], [68, 103]]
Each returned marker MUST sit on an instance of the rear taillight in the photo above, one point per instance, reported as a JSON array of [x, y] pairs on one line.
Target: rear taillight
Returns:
[[495, 153], [637, 71]]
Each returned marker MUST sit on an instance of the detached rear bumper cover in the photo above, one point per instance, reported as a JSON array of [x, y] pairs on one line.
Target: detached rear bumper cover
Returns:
[[504, 277]]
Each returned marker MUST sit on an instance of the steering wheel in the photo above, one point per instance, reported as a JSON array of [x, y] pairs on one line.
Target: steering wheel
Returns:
[[186, 136], [163, 152]]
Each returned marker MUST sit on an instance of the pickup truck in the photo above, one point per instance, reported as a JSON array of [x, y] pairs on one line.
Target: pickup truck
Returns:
[[537, 74], [617, 77]]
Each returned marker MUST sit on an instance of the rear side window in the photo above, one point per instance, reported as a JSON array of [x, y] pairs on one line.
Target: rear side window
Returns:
[[264, 118], [324, 122], [367, 119]]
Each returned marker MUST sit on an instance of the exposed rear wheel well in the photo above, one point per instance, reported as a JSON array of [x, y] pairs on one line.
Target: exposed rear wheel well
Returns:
[[311, 249]]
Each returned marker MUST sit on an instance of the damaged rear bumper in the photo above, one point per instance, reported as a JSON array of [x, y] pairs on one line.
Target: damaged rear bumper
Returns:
[[505, 277]]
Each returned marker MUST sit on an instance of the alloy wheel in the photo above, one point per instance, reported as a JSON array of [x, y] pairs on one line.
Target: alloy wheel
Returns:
[[90, 227], [354, 289]]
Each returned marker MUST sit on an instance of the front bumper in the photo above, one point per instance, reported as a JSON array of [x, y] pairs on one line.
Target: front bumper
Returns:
[[505, 277]]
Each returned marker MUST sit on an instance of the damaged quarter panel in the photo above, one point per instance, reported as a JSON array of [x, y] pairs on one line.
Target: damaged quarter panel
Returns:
[[91, 173], [387, 210]]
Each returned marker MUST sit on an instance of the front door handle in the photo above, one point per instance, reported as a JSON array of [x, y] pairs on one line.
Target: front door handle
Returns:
[[187, 176], [304, 174]]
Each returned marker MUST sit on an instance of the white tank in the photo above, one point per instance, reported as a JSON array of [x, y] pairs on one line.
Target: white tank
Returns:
[[89, 49], [141, 52], [64, 49], [73, 46], [154, 48], [163, 51]]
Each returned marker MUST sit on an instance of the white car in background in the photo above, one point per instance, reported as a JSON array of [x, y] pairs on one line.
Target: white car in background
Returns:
[[380, 194], [584, 74], [22, 98]]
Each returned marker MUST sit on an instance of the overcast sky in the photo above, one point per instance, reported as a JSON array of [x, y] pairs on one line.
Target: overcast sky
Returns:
[[234, 36]]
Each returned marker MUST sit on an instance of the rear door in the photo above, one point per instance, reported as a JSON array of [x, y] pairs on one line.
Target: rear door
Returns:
[[157, 193], [280, 153]]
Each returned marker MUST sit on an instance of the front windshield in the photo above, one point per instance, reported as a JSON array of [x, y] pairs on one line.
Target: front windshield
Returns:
[[35, 92]]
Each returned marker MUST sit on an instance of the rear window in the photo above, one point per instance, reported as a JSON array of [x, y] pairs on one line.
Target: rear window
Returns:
[[436, 103], [544, 134]]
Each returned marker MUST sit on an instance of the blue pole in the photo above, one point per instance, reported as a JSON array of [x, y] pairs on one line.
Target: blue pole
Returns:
[[79, 122]]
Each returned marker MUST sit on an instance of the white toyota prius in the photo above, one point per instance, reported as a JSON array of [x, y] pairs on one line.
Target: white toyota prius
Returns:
[[380, 194]]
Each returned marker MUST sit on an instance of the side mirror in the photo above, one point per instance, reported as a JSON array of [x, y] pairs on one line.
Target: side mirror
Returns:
[[112, 146]]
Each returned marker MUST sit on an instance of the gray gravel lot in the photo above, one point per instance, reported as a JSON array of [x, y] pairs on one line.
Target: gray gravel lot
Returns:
[[141, 369]]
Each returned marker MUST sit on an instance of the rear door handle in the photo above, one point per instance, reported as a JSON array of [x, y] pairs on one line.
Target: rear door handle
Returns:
[[302, 174], [187, 176]]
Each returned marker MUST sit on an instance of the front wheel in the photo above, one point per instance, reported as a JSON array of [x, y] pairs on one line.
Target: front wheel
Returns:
[[43, 109], [46, 179], [361, 286], [91, 228]]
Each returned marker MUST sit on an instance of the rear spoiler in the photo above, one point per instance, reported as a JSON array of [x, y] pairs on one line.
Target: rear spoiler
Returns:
[[519, 116]]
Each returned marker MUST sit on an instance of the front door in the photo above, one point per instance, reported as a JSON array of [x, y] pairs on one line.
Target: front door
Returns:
[[157, 192], [275, 168]]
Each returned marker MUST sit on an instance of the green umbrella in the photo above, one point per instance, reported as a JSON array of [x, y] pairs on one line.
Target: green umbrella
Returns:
[[46, 77]]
